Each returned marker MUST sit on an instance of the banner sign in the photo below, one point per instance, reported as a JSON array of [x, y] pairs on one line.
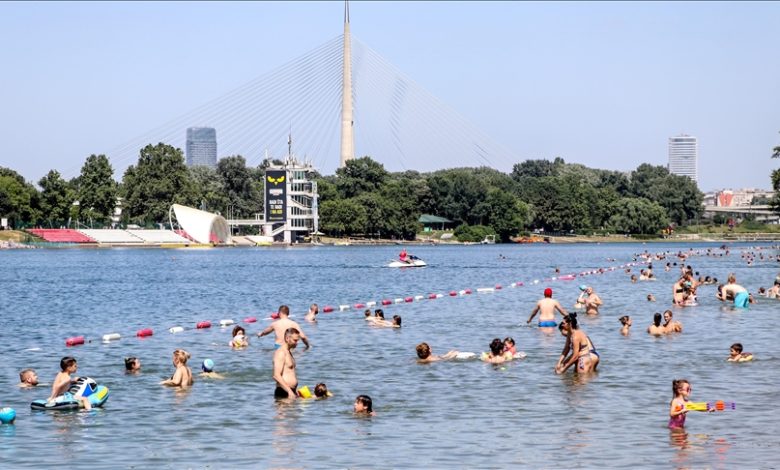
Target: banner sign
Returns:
[[275, 196]]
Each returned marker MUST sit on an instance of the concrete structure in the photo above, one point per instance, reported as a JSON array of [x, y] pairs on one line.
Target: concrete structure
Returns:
[[299, 217], [201, 147], [741, 197], [683, 156], [347, 137]]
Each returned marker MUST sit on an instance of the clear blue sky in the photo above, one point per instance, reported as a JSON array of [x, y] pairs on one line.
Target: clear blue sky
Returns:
[[602, 84]]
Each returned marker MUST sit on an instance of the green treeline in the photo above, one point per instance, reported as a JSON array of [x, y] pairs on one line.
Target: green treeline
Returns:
[[365, 199]]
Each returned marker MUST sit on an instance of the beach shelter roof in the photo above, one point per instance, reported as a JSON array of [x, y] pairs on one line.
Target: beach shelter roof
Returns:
[[202, 226], [433, 219]]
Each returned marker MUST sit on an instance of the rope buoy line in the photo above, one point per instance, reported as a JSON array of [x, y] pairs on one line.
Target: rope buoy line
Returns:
[[224, 323]]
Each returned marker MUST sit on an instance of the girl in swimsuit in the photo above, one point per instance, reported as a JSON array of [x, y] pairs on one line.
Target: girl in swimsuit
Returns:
[[680, 389], [579, 345]]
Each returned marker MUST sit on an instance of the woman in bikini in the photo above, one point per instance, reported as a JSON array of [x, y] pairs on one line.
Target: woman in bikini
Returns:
[[578, 348]]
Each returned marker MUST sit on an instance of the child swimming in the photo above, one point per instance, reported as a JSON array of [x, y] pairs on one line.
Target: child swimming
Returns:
[[132, 365], [364, 405], [736, 354], [62, 381], [509, 346], [208, 370]]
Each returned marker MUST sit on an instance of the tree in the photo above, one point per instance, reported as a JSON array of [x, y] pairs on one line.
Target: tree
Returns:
[[679, 195], [96, 190], [504, 213], [56, 198], [159, 180], [18, 199], [345, 217], [637, 216], [535, 169], [241, 186], [360, 175], [209, 190], [775, 203]]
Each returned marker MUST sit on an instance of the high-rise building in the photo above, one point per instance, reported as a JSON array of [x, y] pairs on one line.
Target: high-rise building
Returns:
[[201, 149], [683, 156]]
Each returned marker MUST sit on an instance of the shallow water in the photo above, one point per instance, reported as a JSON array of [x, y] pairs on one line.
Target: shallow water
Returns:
[[453, 414]]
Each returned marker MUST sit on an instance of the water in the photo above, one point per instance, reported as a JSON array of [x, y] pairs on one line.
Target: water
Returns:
[[454, 414]]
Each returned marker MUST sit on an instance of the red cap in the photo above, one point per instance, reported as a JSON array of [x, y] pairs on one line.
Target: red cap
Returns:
[[548, 292]]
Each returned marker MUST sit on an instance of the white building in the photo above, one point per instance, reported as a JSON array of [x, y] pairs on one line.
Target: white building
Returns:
[[683, 156]]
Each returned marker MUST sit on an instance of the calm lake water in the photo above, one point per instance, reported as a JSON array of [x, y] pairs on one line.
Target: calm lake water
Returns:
[[452, 414]]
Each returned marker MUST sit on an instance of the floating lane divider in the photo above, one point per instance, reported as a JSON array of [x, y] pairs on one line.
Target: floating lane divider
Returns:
[[145, 332]]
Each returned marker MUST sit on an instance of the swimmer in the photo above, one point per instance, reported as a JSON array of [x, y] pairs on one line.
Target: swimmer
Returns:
[[367, 315], [364, 405], [633, 279], [321, 391], [736, 354], [311, 315], [379, 314], [582, 350], [681, 389], [208, 370], [774, 291], [280, 326], [509, 346], [669, 325], [733, 291], [239, 340], [284, 367], [625, 320], [496, 354], [546, 308], [396, 323], [425, 355], [592, 302], [656, 328], [132, 365], [28, 378], [63, 380], [182, 376], [650, 298]]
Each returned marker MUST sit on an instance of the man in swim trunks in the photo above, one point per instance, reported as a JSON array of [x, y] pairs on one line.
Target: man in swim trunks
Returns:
[[734, 291], [283, 324], [284, 366], [546, 308], [28, 378]]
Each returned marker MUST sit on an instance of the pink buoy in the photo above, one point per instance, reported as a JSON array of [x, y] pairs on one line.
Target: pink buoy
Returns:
[[360, 305], [203, 324], [144, 332], [519, 284], [467, 291], [275, 316], [453, 293], [498, 287], [76, 340], [250, 320], [327, 309], [387, 302], [409, 299], [431, 296]]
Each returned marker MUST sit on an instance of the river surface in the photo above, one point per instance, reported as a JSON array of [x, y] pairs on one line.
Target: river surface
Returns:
[[460, 414]]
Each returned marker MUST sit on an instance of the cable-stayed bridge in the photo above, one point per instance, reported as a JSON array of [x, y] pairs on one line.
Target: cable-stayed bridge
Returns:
[[396, 121]]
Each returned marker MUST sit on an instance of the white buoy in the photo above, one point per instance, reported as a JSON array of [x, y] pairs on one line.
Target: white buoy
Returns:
[[226, 322], [418, 297], [111, 337], [176, 329], [485, 290], [439, 296], [370, 304], [399, 301], [461, 292], [343, 308]]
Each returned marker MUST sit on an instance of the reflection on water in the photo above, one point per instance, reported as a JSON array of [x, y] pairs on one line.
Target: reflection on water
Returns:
[[448, 414]]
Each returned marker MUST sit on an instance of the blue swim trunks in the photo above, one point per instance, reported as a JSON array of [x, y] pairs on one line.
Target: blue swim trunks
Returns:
[[547, 324], [277, 346], [741, 300]]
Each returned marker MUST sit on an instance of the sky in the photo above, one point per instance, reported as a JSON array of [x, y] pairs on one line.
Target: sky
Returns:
[[601, 84]]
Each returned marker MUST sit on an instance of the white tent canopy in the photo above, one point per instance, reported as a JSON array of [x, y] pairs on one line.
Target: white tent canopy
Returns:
[[202, 226]]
